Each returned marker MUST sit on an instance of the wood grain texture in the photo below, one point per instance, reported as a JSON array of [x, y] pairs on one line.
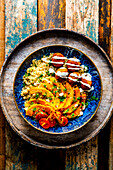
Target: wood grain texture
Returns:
[[2, 57], [2, 140], [19, 154], [20, 21], [2, 33], [13, 42], [83, 16], [35, 42], [111, 122], [111, 44], [105, 25], [51, 14], [83, 157], [104, 42], [111, 146]]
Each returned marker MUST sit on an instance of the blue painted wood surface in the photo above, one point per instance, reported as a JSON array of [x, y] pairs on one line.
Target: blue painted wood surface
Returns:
[[83, 16], [20, 22]]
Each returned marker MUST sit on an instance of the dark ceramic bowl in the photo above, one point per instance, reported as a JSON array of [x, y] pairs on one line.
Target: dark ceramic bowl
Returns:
[[93, 105]]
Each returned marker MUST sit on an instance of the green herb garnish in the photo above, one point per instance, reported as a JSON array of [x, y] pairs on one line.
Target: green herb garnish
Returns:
[[74, 100], [34, 109], [93, 98], [62, 98], [26, 75], [86, 104], [83, 103], [45, 85], [54, 81], [24, 84], [66, 111], [41, 76], [65, 90], [72, 115], [50, 98], [53, 74], [37, 95], [54, 87]]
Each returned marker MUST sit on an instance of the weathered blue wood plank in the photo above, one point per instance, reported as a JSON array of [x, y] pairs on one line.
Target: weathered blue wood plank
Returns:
[[83, 16], [20, 22]]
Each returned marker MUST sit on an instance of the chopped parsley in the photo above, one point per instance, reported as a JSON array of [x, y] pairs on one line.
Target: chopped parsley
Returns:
[[54, 87], [78, 98], [32, 103], [54, 81], [50, 98], [34, 109], [59, 90], [86, 104], [41, 76], [65, 90], [53, 74], [61, 98], [66, 111], [24, 84], [26, 75], [37, 95], [45, 85], [48, 73], [74, 109], [83, 103], [45, 95], [35, 65], [65, 115], [72, 115], [93, 98], [55, 92], [74, 100]]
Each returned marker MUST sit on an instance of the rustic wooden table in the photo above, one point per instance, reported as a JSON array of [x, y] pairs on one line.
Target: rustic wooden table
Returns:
[[21, 18]]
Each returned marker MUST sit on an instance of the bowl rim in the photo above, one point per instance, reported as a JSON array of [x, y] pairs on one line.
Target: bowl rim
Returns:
[[48, 132]]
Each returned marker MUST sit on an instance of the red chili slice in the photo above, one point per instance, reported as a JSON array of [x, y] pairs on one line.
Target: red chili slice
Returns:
[[64, 121], [40, 115], [52, 123], [44, 123]]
